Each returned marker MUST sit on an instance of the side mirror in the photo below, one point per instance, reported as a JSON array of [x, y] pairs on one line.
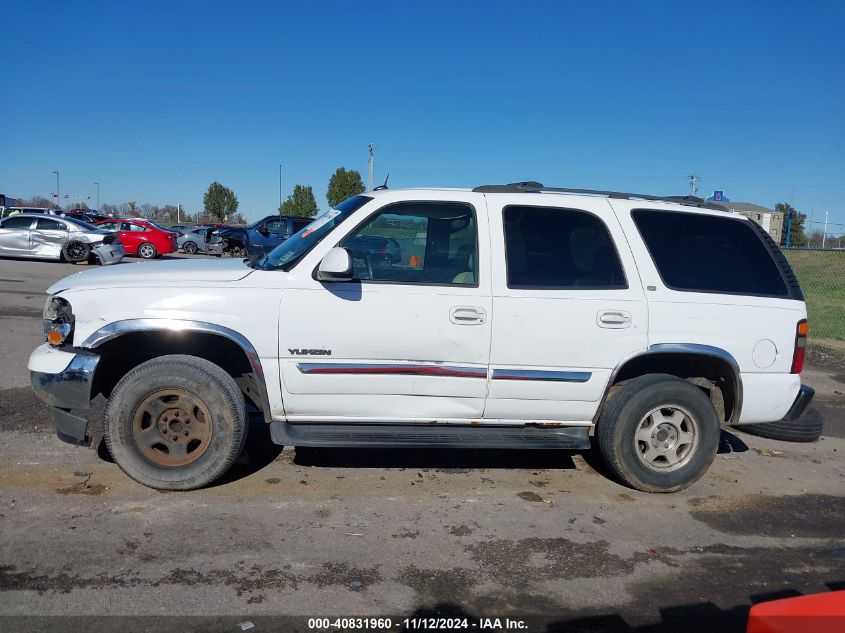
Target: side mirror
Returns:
[[335, 266], [263, 230]]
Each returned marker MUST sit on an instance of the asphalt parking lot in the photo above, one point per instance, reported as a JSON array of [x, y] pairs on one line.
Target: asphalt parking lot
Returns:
[[366, 532]]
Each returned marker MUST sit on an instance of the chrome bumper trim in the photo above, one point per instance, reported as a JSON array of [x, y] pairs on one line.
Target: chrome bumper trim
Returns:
[[69, 389]]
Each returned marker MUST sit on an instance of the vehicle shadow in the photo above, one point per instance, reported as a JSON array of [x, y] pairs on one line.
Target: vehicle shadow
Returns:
[[699, 617], [455, 459], [259, 452]]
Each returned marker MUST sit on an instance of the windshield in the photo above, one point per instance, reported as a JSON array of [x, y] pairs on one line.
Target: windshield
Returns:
[[296, 246]]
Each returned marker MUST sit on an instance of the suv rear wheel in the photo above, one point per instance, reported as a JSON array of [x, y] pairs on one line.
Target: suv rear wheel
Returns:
[[175, 422], [658, 433]]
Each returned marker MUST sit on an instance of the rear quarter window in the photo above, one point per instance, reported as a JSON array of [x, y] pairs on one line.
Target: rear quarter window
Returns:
[[695, 252]]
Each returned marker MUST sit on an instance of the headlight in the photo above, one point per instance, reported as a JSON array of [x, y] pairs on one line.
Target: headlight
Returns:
[[58, 321]]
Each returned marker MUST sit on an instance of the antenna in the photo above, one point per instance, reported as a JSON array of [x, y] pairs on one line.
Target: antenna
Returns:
[[694, 181], [384, 186], [371, 167]]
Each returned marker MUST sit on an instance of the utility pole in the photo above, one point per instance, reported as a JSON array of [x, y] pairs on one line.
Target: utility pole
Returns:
[[693, 184], [178, 209], [789, 226], [371, 168], [98, 196], [824, 233], [810, 230], [58, 191]]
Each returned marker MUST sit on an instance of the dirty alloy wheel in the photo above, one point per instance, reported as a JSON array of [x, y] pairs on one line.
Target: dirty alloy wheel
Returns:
[[176, 422], [190, 248], [76, 251], [147, 251], [658, 433]]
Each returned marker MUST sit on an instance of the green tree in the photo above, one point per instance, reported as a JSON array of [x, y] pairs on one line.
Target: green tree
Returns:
[[344, 184], [300, 203], [797, 236], [219, 202]]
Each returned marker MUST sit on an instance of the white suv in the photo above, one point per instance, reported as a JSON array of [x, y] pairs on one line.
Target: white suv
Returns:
[[506, 316]]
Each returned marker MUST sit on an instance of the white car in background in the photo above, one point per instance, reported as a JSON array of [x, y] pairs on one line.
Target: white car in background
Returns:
[[509, 316], [59, 238]]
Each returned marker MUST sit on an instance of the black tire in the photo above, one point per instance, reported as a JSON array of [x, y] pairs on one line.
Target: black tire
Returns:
[[190, 248], [808, 428], [146, 250], [75, 251], [626, 412], [203, 381]]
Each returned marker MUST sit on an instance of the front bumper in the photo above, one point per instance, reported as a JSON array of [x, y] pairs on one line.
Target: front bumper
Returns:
[[109, 253], [65, 390], [802, 400]]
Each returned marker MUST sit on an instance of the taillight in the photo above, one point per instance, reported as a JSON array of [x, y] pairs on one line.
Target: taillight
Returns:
[[800, 346]]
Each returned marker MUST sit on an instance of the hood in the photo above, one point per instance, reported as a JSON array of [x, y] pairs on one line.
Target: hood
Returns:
[[169, 273]]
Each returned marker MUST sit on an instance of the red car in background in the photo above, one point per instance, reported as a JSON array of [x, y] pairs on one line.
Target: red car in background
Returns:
[[142, 237]]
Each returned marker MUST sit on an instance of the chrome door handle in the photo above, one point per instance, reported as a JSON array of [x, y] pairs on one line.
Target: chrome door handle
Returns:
[[614, 319], [467, 315]]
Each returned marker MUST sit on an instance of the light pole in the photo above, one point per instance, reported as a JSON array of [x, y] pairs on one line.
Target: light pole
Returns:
[[280, 188], [98, 196], [58, 191]]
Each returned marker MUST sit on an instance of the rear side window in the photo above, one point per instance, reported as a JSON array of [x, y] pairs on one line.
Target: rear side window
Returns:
[[559, 249], [45, 224], [705, 253]]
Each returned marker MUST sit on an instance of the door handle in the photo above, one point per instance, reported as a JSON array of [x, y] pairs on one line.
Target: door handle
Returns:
[[614, 319], [467, 315]]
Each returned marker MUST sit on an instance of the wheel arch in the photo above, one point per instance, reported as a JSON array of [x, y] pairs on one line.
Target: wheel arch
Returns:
[[125, 344], [700, 364]]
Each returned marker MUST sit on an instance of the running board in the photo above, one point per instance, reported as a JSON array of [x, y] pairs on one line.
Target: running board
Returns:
[[419, 436]]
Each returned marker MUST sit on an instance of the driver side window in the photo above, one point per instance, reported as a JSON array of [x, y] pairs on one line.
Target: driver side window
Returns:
[[419, 243]]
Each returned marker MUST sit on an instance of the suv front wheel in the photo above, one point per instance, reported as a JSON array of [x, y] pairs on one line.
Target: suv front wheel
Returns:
[[175, 422], [658, 433]]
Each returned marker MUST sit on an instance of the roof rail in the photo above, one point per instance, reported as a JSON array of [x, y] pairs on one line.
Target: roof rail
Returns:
[[532, 186]]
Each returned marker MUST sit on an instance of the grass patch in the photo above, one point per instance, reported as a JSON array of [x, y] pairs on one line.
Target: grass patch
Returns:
[[822, 278]]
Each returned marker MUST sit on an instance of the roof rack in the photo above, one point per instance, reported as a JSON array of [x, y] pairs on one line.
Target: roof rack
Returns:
[[532, 186]]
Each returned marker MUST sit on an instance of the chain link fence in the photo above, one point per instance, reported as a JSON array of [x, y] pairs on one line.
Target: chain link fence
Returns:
[[821, 274]]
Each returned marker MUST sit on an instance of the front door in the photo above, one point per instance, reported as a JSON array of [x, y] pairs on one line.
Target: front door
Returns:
[[409, 340], [568, 306]]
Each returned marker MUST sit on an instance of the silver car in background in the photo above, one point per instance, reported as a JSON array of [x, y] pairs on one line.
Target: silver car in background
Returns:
[[54, 237], [192, 240]]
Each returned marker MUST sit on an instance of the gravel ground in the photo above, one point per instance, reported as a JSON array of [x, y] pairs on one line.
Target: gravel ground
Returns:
[[543, 536]]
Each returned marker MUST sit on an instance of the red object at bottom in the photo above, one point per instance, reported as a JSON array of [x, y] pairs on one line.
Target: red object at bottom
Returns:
[[817, 613]]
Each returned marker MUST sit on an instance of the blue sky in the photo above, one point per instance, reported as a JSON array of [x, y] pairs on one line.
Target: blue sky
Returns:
[[156, 100]]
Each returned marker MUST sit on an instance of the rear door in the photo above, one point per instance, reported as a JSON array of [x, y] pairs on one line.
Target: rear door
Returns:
[[47, 237], [568, 306], [14, 237]]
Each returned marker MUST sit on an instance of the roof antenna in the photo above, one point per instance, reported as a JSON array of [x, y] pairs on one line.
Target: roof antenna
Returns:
[[384, 186]]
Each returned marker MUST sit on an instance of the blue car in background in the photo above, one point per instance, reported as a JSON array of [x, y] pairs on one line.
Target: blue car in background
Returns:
[[255, 240]]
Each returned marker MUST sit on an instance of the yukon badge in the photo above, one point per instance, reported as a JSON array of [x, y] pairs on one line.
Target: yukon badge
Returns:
[[310, 352]]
